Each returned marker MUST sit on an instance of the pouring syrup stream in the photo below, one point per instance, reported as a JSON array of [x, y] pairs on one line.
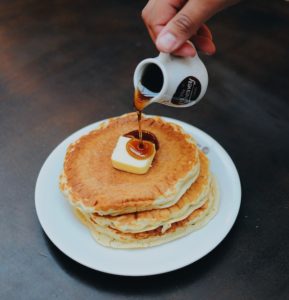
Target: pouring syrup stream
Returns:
[[150, 84], [137, 146]]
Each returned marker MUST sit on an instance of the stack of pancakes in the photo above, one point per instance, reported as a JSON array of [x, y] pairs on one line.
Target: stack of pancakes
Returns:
[[122, 210]]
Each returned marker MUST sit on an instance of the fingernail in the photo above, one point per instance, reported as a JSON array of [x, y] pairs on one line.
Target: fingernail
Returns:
[[166, 42]]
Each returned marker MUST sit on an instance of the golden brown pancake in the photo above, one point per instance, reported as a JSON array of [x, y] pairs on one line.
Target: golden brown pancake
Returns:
[[193, 198], [111, 237], [91, 183]]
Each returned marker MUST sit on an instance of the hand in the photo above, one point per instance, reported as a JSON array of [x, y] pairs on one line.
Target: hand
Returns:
[[171, 23]]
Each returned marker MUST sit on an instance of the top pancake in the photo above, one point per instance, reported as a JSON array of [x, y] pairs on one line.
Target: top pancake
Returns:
[[90, 181]]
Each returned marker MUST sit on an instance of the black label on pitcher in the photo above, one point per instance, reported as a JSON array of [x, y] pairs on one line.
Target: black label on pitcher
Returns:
[[188, 91]]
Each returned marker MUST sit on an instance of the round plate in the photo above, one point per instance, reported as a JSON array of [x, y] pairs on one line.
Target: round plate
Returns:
[[74, 239]]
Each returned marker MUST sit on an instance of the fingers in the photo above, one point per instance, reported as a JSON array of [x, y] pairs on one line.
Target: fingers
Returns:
[[205, 44], [171, 23], [157, 13], [203, 41], [182, 26], [185, 50], [205, 31], [154, 32]]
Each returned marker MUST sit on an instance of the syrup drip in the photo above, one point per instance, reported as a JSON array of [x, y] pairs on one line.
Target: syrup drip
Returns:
[[140, 102], [138, 150], [141, 145], [139, 128], [146, 135], [137, 147]]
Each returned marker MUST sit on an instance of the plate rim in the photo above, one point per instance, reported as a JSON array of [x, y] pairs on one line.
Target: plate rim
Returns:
[[86, 129]]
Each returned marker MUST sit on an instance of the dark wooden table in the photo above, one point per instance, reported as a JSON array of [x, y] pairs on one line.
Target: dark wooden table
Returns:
[[66, 64]]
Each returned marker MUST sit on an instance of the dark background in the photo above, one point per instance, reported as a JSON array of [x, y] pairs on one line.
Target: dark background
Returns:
[[66, 64]]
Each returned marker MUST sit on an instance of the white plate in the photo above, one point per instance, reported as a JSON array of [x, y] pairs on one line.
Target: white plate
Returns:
[[73, 239]]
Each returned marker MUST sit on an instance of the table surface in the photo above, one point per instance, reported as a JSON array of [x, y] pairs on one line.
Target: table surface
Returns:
[[65, 64]]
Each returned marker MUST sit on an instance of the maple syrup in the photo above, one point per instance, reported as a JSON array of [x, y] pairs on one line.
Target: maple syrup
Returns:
[[141, 145], [138, 150], [138, 147], [146, 135], [140, 102]]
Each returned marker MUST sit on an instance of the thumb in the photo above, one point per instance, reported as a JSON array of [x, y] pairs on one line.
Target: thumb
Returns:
[[183, 25]]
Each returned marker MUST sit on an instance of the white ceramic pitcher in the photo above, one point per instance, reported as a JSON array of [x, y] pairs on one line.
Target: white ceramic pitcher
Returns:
[[181, 81]]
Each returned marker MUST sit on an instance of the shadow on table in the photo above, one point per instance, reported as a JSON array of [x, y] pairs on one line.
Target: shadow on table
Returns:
[[145, 285]]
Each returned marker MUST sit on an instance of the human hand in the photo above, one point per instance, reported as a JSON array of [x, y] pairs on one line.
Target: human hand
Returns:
[[172, 23]]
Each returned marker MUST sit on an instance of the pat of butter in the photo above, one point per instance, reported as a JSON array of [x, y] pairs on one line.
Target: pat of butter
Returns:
[[123, 161]]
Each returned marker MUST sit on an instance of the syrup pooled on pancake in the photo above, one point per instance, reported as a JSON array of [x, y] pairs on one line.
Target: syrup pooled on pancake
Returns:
[[146, 135], [140, 150]]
